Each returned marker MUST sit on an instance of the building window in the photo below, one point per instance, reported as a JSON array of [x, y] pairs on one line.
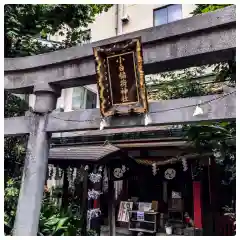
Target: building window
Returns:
[[91, 100], [167, 14], [78, 98], [83, 98]]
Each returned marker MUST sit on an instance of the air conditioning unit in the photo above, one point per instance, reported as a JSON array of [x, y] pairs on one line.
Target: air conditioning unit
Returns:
[[125, 18]]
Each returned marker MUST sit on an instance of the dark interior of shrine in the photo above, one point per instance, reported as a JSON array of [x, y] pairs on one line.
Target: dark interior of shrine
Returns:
[[144, 186], [147, 188]]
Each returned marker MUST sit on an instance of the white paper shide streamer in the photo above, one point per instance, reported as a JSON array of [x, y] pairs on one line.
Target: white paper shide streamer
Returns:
[[185, 165], [93, 194], [154, 169], [95, 177], [147, 119], [105, 180], [92, 213], [103, 124]]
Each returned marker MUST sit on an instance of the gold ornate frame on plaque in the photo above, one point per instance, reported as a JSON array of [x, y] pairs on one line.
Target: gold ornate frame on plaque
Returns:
[[120, 78]]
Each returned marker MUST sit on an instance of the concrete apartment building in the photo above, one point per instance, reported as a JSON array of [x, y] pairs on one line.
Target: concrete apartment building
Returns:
[[119, 19]]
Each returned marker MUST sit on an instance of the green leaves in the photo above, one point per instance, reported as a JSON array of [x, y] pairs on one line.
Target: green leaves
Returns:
[[220, 138], [11, 192], [22, 22], [183, 83], [203, 8], [54, 222]]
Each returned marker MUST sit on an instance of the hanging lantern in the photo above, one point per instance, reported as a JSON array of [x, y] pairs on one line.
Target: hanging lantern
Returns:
[[170, 173], [119, 172]]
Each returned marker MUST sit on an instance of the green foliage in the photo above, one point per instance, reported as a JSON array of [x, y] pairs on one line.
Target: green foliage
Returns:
[[179, 84], [14, 106], [192, 82], [226, 72], [14, 153], [55, 221], [11, 192], [203, 8], [22, 22], [231, 213], [14, 147], [220, 138]]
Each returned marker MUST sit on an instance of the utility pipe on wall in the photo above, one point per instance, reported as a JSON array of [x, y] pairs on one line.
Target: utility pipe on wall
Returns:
[[116, 19], [120, 15]]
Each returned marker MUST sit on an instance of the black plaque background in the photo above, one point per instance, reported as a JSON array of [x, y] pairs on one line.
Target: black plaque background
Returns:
[[129, 69], [108, 81]]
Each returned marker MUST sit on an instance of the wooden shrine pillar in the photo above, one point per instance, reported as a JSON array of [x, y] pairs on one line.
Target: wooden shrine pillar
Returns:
[[97, 186], [111, 206], [197, 197], [197, 204], [96, 203], [35, 165]]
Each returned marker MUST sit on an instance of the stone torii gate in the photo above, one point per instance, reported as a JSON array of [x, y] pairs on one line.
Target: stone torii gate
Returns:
[[198, 40]]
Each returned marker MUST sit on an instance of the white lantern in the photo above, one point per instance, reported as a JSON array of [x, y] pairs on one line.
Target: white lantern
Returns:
[[170, 173]]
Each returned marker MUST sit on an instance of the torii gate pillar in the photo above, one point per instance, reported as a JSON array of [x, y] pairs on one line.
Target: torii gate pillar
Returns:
[[35, 166]]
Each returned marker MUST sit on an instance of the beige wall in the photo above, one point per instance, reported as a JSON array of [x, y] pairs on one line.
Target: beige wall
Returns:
[[104, 25], [140, 17]]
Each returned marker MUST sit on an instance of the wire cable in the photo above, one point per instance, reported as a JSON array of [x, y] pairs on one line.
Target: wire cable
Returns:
[[160, 111]]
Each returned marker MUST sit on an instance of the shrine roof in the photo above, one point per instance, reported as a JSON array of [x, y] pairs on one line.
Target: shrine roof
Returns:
[[86, 154]]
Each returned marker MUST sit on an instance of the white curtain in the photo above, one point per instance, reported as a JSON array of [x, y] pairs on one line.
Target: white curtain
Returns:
[[118, 185]]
